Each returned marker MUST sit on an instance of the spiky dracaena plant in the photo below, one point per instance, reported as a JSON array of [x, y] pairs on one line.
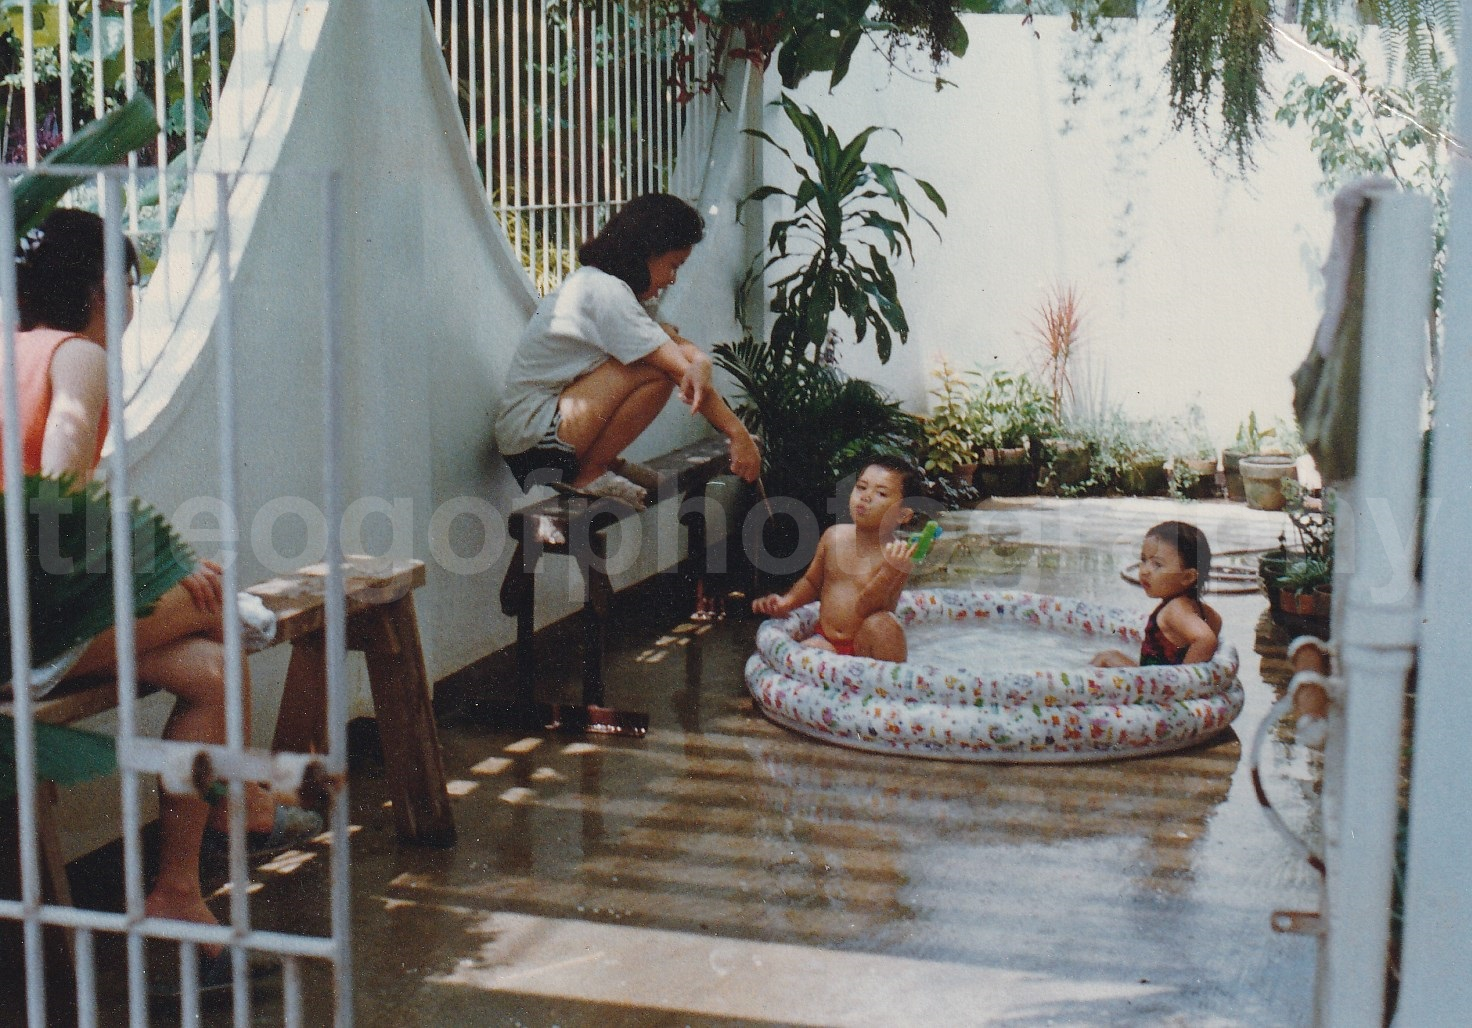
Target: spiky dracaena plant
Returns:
[[825, 253]]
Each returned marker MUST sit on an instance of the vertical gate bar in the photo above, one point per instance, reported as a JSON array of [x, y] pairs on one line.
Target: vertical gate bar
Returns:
[[485, 34], [188, 983], [503, 83], [455, 50], [438, 7], [583, 152], [335, 636], [214, 6], [646, 106], [28, 77], [186, 62], [604, 122], [518, 115], [64, 64], [130, 86], [621, 105], [539, 251], [97, 97], [291, 992], [556, 154], [86, 957], [122, 544], [1437, 948], [230, 573], [20, 640], [470, 60]]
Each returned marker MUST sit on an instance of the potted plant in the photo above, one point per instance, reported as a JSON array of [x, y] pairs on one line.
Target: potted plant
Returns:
[[822, 266], [1193, 460], [950, 430], [1249, 441], [1011, 414], [1266, 475]]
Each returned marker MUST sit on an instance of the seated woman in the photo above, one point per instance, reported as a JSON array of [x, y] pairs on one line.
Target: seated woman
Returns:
[[62, 384], [593, 368]]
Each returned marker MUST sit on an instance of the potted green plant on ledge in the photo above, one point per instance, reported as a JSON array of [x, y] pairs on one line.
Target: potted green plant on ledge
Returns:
[[1011, 416], [950, 427]]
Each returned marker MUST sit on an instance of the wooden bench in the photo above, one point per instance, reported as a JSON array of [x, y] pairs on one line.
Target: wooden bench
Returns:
[[583, 527], [381, 623]]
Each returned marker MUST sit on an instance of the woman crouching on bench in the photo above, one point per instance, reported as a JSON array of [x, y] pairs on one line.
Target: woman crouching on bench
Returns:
[[594, 368]]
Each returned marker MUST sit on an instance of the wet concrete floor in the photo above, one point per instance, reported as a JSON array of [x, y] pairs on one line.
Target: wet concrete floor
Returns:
[[725, 871]]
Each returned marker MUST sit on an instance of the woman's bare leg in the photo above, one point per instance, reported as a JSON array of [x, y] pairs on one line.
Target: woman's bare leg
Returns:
[[607, 409]]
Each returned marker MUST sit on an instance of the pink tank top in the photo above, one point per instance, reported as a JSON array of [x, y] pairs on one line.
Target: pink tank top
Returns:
[[34, 351]]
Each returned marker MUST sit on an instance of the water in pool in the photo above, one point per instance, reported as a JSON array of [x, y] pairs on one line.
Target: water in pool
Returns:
[[1002, 645]]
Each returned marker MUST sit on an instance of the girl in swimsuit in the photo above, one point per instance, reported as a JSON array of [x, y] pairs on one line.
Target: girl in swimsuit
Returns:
[[1175, 560]]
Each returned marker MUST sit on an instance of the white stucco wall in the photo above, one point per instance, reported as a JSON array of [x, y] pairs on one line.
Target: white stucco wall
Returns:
[[433, 304], [1197, 286]]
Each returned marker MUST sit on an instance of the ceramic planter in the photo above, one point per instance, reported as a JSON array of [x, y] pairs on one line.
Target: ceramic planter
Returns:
[[1144, 478], [1231, 459], [1204, 469], [1008, 472], [1067, 464], [1262, 479]]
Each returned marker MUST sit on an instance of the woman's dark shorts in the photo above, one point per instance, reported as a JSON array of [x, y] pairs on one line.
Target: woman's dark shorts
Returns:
[[551, 460]]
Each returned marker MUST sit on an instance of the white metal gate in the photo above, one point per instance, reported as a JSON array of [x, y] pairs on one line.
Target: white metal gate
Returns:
[[573, 107], [184, 767]]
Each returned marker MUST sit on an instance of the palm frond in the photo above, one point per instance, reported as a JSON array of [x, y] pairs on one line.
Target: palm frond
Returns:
[[69, 558]]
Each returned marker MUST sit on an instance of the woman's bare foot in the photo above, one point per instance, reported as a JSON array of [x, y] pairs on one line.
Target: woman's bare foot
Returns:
[[260, 811]]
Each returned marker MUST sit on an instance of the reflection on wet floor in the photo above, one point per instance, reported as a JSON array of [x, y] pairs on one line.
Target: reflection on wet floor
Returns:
[[725, 871]]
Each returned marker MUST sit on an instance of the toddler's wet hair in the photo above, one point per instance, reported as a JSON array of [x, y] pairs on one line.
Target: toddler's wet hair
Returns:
[[1190, 543]]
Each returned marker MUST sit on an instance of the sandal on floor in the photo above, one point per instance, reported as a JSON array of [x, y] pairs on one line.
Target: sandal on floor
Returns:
[[293, 826], [215, 976]]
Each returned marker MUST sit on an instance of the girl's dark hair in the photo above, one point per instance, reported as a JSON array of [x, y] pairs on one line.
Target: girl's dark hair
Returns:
[[1190, 544], [646, 227], [59, 270]]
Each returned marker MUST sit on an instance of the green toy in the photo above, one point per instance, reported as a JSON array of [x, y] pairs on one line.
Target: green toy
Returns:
[[923, 539]]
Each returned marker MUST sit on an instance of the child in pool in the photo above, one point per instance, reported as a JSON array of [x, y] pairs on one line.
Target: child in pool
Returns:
[[859, 569], [1175, 560]]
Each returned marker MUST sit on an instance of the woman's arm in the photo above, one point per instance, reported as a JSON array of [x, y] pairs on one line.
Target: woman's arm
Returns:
[[685, 364], [78, 397]]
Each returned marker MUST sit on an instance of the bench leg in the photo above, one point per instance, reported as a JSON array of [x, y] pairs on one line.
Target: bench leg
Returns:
[[518, 599], [55, 889], [597, 602], [389, 638], [301, 723]]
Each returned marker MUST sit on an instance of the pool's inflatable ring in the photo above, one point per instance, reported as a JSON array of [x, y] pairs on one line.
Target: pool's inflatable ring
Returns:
[[955, 713]]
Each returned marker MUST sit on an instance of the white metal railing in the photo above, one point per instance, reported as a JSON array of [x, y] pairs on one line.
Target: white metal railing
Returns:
[[233, 761], [571, 108], [80, 58]]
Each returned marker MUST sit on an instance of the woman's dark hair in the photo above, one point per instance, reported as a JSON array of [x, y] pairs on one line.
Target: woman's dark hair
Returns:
[[648, 226], [1190, 544], [59, 269]]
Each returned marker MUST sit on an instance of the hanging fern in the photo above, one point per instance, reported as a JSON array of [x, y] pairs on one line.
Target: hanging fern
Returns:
[[1221, 46]]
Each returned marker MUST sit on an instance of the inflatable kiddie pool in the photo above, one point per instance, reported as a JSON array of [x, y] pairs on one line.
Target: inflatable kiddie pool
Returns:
[[993, 714]]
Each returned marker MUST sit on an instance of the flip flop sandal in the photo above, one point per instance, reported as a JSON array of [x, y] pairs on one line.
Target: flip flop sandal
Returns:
[[608, 486], [293, 827], [642, 475], [216, 977]]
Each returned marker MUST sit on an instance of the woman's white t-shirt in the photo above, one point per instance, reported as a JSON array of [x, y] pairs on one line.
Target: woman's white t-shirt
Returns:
[[591, 317]]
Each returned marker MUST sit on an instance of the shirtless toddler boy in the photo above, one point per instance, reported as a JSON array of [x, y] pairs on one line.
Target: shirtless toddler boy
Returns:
[[859, 569]]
